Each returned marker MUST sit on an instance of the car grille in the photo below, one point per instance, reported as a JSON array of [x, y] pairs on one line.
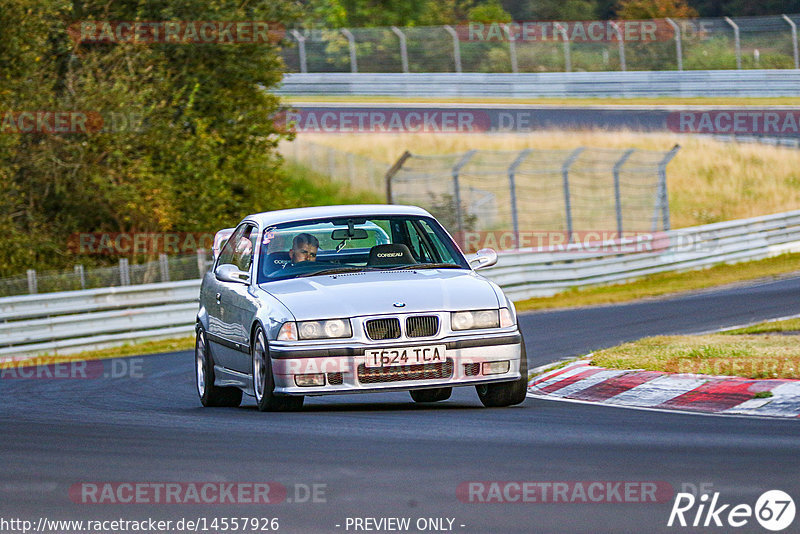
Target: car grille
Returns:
[[472, 369], [422, 371], [383, 328], [422, 326]]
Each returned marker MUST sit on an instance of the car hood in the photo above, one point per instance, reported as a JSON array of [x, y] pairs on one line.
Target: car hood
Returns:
[[374, 293]]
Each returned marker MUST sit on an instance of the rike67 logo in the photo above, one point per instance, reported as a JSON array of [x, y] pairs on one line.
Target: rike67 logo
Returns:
[[774, 510]]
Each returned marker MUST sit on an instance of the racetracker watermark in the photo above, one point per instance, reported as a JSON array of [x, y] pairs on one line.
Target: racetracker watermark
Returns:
[[196, 493], [776, 122], [44, 368], [134, 243], [69, 122], [385, 120], [565, 492], [177, 32], [598, 241], [577, 31]]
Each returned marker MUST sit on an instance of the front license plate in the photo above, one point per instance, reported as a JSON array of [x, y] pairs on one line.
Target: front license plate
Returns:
[[405, 356]]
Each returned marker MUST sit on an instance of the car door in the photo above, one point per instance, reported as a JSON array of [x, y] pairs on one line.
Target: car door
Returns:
[[222, 321], [239, 300]]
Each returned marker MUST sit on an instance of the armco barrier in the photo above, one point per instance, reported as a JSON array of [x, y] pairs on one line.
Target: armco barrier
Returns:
[[743, 83], [81, 320]]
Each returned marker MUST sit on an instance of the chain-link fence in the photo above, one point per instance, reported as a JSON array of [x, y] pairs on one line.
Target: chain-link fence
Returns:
[[357, 171], [659, 44], [568, 191], [165, 269]]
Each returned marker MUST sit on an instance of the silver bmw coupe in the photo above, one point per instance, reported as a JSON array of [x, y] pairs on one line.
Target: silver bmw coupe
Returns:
[[350, 299]]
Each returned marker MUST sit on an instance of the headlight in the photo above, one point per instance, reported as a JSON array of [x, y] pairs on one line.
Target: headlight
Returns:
[[330, 329], [469, 320]]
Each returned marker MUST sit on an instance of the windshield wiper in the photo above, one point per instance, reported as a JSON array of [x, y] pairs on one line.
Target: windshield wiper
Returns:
[[335, 270], [425, 266]]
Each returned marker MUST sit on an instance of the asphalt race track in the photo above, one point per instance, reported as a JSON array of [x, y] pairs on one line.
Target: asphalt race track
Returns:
[[381, 456]]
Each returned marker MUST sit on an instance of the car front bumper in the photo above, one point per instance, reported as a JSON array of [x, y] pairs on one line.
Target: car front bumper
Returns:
[[345, 371]]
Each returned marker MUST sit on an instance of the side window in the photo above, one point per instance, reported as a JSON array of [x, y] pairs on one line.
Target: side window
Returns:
[[226, 254], [243, 251]]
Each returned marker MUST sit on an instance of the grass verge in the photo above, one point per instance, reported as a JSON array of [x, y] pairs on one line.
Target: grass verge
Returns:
[[667, 283], [745, 355], [308, 188]]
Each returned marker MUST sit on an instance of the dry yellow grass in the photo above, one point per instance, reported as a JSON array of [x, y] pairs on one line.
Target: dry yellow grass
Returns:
[[708, 181]]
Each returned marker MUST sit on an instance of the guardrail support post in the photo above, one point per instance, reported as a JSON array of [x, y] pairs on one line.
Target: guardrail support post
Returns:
[[617, 196], [394, 169], [457, 190], [301, 50], [567, 54], [124, 272], [403, 48], [512, 49], [678, 45], [736, 41], [33, 286], [622, 63], [163, 264], [351, 40], [565, 180], [456, 47], [512, 170], [794, 40], [81, 275]]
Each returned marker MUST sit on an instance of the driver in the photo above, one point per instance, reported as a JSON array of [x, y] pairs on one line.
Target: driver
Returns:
[[304, 248]]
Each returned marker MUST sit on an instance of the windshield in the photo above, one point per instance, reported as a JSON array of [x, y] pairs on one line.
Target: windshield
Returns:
[[340, 245]]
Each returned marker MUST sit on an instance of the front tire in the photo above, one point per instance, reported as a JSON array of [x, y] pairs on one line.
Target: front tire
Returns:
[[431, 395], [211, 395], [506, 393], [263, 381]]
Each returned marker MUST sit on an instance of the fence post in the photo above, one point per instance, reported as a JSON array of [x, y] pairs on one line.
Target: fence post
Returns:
[[456, 47], [352, 43], [394, 169], [794, 40], [403, 48], [124, 272], [567, 55], [457, 190], [201, 262], [301, 50], [622, 64], [663, 198], [617, 196], [163, 264], [33, 285], [565, 182], [678, 46], [736, 41], [512, 169], [79, 272], [512, 49]]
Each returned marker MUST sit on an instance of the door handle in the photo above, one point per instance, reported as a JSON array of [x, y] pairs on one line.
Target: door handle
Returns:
[[219, 298]]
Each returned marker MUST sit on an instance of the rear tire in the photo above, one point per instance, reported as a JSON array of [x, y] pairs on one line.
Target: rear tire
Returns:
[[431, 395], [506, 393], [211, 395], [263, 381]]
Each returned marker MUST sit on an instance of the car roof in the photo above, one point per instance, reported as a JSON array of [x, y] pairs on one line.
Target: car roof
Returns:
[[269, 218]]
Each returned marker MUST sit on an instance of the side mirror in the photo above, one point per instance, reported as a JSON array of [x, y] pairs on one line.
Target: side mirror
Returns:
[[230, 273], [485, 257]]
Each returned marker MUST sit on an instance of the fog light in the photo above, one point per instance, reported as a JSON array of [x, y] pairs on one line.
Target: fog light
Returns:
[[496, 368], [311, 380]]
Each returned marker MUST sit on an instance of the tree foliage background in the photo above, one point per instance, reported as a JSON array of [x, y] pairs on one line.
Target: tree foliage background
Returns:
[[202, 157]]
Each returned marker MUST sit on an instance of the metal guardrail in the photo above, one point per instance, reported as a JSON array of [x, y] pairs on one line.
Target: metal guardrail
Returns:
[[82, 320], [745, 83]]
